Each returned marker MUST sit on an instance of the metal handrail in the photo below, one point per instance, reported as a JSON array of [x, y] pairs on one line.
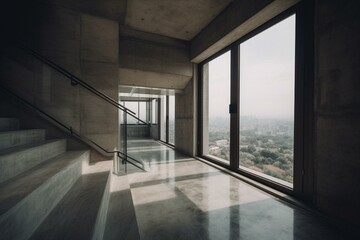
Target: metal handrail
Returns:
[[77, 81], [72, 131]]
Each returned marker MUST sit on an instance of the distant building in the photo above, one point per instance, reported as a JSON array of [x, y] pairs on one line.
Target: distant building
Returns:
[[214, 150], [221, 143]]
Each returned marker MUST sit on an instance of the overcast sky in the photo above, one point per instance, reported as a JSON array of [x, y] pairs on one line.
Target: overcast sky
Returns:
[[267, 68]]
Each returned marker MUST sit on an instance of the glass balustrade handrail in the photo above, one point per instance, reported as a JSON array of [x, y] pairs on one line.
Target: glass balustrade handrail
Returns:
[[73, 132]]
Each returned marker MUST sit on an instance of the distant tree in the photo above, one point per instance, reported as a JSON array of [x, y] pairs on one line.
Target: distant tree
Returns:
[[268, 154], [251, 149], [244, 149]]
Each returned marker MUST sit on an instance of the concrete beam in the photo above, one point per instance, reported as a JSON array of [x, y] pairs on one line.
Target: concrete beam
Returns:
[[238, 19], [142, 78], [150, 60]]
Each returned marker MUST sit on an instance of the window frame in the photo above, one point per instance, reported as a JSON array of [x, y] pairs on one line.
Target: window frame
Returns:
[[166, 128], [301, 107]]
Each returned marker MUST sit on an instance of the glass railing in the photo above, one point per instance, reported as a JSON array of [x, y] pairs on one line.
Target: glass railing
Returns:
[[66, 100]]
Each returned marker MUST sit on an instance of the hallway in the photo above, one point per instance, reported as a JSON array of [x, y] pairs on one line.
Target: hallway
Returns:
[[183, 198]]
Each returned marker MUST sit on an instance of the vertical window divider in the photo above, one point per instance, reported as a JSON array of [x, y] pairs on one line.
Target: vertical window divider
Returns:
[[300, 105], [200, 118], [234, 101], [167, 119]]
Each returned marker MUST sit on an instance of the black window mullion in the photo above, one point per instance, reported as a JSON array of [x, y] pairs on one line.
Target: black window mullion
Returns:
[[234, 107]]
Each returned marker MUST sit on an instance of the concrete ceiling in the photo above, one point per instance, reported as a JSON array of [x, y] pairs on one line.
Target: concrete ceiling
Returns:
[[181, 19]]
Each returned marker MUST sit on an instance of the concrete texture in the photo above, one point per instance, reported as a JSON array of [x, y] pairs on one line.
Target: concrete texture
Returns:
[[31, 120], [59, 31], [150, 60], [181, 20], [184, 120], [28, 198], [15, 160], [95, 47], [64, 221], [9, 124], [101, 219], [71, 39], [176, 19], [142, 78], [110, 9], [238, 19], [141, 52], [183, 198], [121, 219], [16, 138], [337, 108]]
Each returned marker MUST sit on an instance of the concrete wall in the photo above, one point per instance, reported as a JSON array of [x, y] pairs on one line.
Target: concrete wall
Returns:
[[86, 46], [337, 74], [10, 107], [149, 60], [336, 140], [185, 120]]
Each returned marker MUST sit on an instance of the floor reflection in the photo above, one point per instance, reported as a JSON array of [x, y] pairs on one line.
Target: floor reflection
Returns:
[[182, 198]]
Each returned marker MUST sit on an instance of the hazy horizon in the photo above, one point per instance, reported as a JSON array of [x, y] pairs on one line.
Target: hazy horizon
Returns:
[[267, 71]]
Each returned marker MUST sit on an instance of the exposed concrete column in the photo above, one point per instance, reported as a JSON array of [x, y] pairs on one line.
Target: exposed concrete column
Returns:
[[205, 109], [185, 119], [99, 67], [337, 108]]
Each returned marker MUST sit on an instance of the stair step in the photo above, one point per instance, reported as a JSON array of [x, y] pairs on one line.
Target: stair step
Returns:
[[9, 124], [15, 160], [20, 137], [121, 219], [28, 198], [76, 214]]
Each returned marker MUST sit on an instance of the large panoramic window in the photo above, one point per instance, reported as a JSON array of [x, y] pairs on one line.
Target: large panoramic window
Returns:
[[267, 87], [216, 99], [252, 105]]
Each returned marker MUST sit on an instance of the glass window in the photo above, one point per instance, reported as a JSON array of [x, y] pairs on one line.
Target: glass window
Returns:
[[216, 99], [139, 108], [163, 119], [143, 111], [267, 89], [171, 120], [154, 111], [133, 106]]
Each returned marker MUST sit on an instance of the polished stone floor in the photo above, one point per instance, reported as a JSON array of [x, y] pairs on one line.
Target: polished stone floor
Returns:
[[183, 198]]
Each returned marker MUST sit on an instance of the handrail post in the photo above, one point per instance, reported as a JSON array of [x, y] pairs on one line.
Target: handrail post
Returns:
[[125, 136], [116, 163]]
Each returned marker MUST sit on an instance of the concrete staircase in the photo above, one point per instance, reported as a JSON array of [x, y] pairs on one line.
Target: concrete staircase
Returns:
[[44, 191]]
